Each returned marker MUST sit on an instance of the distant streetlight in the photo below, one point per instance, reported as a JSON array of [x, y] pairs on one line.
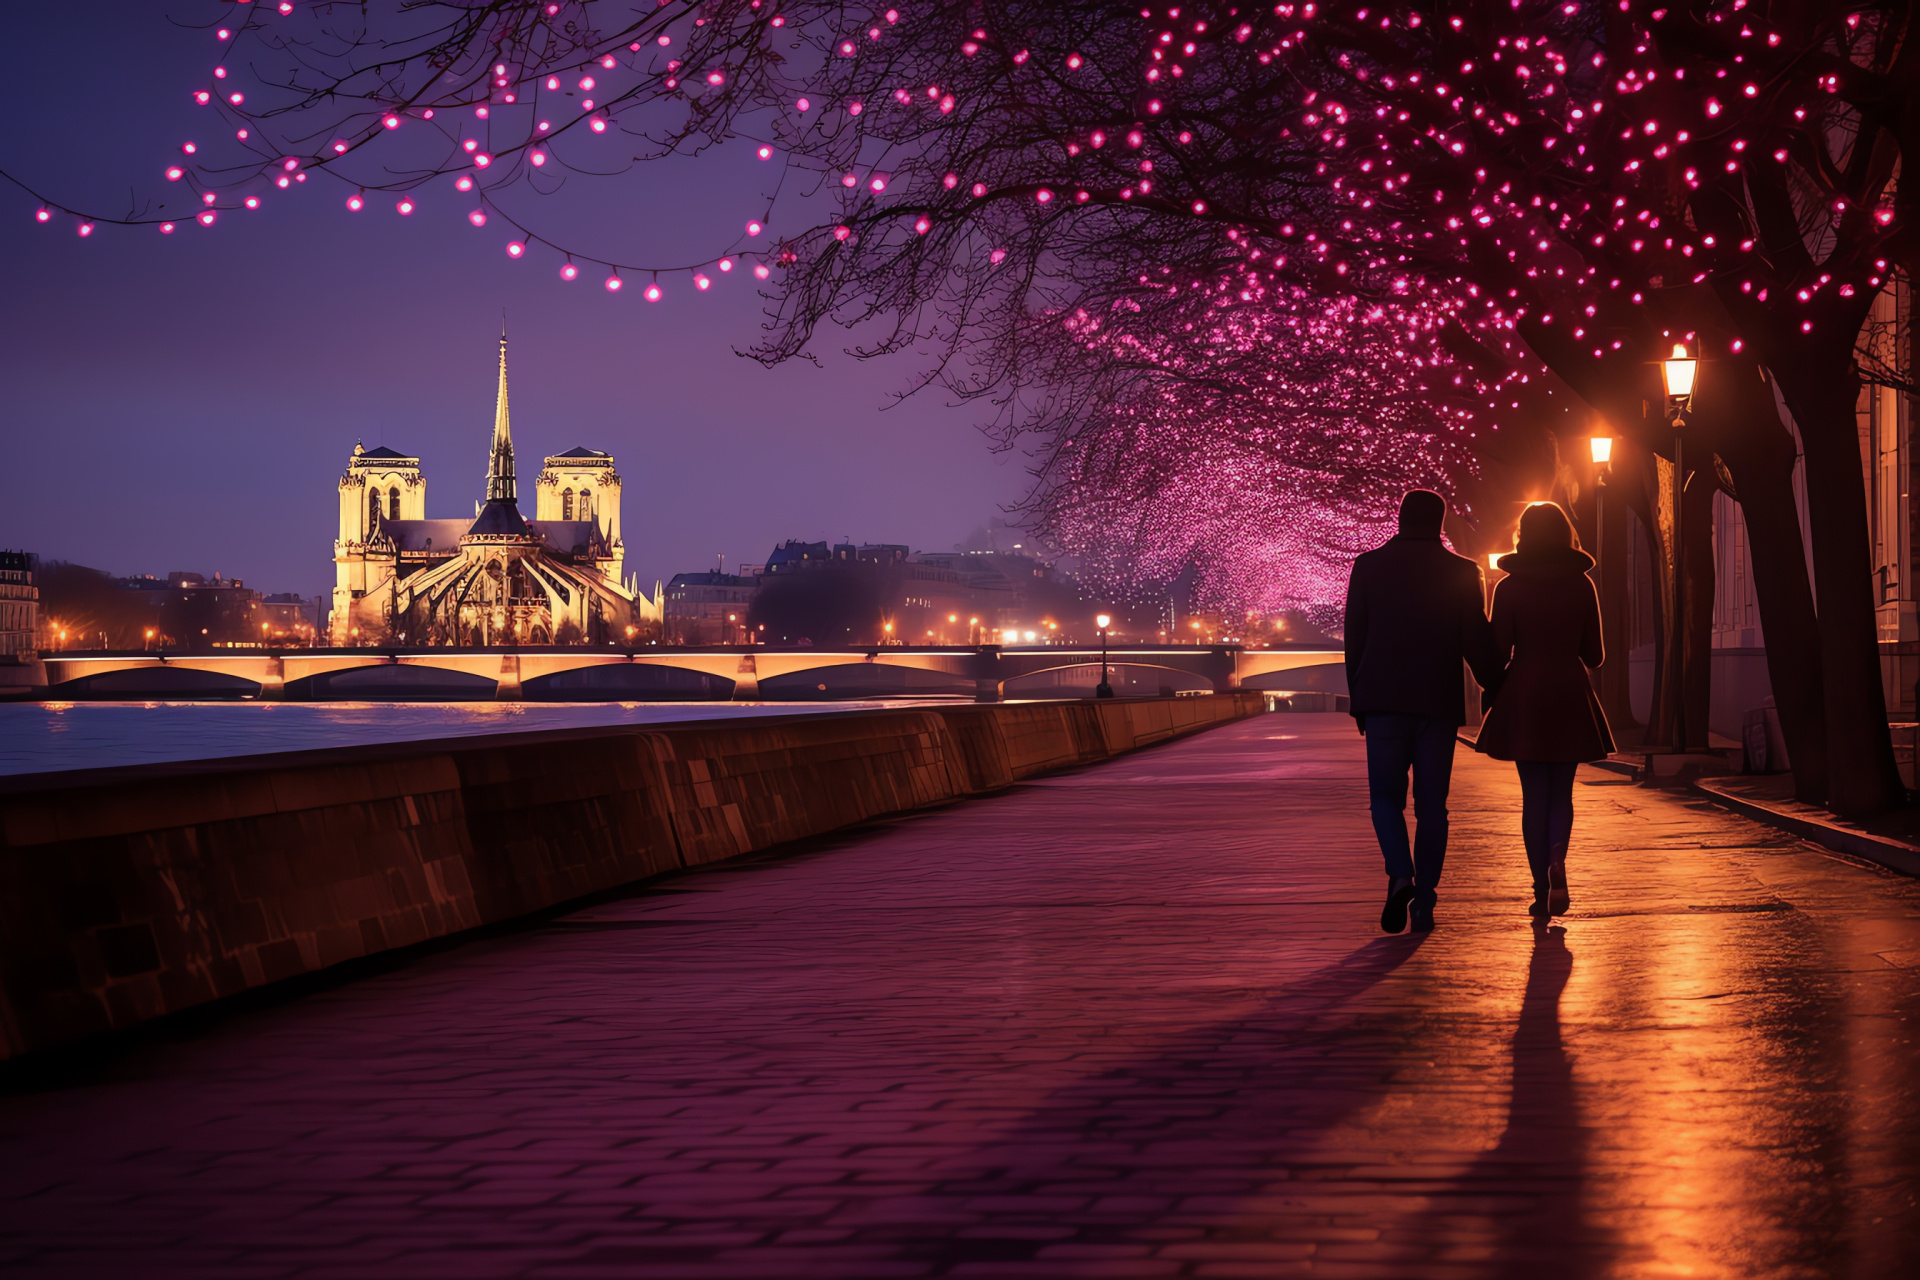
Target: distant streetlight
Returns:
[[1677, 372], [1103, 689], [1602, 447]]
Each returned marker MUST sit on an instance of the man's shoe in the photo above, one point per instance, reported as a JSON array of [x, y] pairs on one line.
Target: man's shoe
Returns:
[[1421, 914], [1393, 916]]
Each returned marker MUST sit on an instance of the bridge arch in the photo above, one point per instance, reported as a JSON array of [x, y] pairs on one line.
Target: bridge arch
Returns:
[[627, 682], [838, 681]]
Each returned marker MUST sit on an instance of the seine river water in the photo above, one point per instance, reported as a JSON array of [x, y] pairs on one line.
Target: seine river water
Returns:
[[41, 737]]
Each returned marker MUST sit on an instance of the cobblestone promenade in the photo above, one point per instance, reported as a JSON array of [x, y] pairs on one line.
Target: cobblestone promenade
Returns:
[[1136, 1021]]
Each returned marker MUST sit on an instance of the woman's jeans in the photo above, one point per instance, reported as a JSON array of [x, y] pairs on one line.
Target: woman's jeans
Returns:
[[1546, 812]]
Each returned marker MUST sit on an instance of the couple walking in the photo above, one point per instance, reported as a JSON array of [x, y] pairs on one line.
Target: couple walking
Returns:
[[1414, 614]]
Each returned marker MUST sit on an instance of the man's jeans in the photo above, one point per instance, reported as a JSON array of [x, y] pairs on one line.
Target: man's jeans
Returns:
[[1424, 744]]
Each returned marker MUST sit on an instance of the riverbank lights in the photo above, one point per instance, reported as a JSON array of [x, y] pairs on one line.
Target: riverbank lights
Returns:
[[1677, 371], [1602, 447]]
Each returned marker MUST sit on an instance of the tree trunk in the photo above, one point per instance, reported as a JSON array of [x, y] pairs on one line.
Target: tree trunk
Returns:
[[1862, 775], [1702, 569], [1762, 468]]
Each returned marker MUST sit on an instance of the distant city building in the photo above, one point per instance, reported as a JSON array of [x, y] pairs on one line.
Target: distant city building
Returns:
[[881, 593], [708, 608], [287, 619], [498, 578], [19, 603]]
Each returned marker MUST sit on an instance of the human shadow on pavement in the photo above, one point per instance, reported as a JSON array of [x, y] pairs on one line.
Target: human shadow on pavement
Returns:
[[1210, 1140], [1526, 1196]]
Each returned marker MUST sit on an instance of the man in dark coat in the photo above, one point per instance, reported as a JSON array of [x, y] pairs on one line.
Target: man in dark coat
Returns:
[[1415, 612]]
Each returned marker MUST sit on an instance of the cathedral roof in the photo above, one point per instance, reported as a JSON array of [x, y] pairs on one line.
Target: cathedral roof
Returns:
[[500, 518], [581, 451], [382, 451], [441, 536]]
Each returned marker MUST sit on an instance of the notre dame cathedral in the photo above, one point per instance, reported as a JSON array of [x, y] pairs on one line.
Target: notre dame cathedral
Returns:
[[496, 579]]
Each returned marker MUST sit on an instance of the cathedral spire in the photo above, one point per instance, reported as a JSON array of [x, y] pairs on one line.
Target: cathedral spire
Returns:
[[500, 485]]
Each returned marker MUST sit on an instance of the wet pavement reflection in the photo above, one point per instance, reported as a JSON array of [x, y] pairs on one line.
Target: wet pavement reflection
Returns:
[[1133, 1021]]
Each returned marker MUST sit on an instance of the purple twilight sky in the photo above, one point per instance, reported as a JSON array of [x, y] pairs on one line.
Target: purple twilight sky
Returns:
[[189, 401]]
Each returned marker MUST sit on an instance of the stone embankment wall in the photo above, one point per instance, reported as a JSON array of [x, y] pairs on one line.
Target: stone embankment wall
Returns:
[[126, 894]]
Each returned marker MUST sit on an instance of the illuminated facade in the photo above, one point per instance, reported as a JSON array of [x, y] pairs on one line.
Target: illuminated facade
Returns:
[[497, 579]]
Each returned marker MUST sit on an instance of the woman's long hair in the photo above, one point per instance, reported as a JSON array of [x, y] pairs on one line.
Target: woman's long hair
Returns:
[[1544, 528]]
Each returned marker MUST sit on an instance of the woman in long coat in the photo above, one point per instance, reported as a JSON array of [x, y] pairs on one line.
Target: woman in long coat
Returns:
[[1546, 627]]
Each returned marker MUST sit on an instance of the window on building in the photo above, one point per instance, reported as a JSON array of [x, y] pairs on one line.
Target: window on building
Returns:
[[586, 504], [373, 509], [566, 504], [393, 503]]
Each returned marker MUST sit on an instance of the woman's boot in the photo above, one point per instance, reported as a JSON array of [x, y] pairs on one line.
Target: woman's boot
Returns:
[[1557, 899]]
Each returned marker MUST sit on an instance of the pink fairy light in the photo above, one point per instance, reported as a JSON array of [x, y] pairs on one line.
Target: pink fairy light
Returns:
[[652, 294], [391, 121], [761, 271], [252, 202], [405, 207], [842, 232], [43, 214], [802, 105], [166, 228], [597, 124], [206, 219], [515, 248], [725, 264], [463, 183], [478, 217], [613, 283], [85, 229], [202, 97], [922, 226], [536, 158], [569, 272], [175, 173], [754, 228], [701, 283], [482, 160], [766, 153], [356, 202]]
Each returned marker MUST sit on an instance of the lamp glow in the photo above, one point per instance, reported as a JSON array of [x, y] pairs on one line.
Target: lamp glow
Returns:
[[1103, 621], [1602, 447], [1678, 370]]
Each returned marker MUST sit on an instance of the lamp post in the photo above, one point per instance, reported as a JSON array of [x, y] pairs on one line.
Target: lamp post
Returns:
[[1602, 447], [1677, 372], [1103, 689]]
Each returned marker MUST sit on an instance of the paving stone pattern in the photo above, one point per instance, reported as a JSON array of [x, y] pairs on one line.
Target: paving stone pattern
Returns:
[[1133, 1021]]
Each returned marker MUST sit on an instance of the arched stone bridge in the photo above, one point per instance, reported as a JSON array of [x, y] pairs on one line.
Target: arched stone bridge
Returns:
[[576, 674]]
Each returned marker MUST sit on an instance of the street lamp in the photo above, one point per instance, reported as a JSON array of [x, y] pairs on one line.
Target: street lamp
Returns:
[[1677, 372], [1103, 689], [1602, 450]]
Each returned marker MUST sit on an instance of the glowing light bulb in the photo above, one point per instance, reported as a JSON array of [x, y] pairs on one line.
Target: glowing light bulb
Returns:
[[950, 181], [842, 232], [613, 283], [569, 272], [252, 202], [979, 189], [236, 98], [85, 229], [166, 228], [653, 293], [515, 248], [761, 271], [206, 219], [802, 105], [553, 82], [586, 82], [701, 283], [536, 158], [725, 264], [597, 124], [849, 180], [766, 153], [43, 214], [356, 202], [202, 97], [482, 160], [608, 62], [463, 183], [175, 173], [405, 207], [878, 183], [391, 121], [478, 217], [922, 226]]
